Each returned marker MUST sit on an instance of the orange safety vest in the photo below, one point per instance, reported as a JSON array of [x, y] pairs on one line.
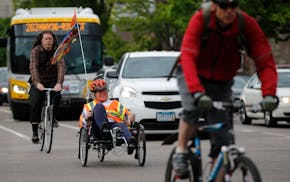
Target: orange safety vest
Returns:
[[115, 110]]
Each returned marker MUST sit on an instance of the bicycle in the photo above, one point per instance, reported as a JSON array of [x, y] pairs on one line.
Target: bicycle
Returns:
[[237, 166], [45, 128]]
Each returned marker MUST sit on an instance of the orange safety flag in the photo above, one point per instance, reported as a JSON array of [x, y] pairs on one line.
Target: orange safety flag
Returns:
[[64, 46]]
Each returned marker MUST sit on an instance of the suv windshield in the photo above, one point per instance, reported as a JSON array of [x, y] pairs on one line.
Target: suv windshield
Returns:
[[284, 79], [148, 67]]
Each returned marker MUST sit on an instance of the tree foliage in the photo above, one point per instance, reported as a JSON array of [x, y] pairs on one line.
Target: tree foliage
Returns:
[[160, 24]]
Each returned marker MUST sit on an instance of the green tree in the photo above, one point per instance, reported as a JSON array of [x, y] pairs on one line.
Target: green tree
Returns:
[[161, 25], [4, 23], [169, 20]]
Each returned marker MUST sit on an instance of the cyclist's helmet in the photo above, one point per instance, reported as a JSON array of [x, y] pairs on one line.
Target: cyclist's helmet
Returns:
[[98, 85]]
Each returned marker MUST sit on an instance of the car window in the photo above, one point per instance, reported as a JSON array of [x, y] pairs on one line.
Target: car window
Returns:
[[148, 67], [284, 79], [254, 82], [120, 64]]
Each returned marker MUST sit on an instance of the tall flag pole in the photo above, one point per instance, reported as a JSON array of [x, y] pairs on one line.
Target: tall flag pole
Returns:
[[73, 23]]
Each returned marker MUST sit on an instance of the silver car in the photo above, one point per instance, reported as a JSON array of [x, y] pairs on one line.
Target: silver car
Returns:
[[251, 95], [3, 85]]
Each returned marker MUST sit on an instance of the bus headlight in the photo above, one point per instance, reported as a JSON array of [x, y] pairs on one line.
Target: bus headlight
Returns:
[[19, 90], [128, 92], [4, 90]]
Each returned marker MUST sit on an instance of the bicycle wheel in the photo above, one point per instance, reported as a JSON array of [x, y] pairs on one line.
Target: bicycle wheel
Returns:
[[48, 130], [101, 153], [84, 146], [193, 168], [41, 130], [245, 170], [141, 147]]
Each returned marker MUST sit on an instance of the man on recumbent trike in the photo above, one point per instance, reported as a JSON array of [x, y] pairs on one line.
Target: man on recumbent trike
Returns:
[[106, 114]]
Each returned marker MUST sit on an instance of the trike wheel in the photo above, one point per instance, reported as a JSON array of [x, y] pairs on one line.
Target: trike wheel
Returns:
[[84, 146], [101, 153], [141, 147]]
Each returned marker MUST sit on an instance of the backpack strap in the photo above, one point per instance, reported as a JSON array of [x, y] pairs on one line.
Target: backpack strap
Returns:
[[241, 39], [241, 36], [206, 17]]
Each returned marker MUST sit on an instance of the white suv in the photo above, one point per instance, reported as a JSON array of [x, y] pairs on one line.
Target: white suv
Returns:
[[140, 82]]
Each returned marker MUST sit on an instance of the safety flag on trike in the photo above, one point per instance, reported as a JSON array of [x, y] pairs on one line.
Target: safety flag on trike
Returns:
[[64, 46]]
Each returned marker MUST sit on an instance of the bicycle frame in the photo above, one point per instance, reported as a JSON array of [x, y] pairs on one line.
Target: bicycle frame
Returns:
[[223, 156], [231, 159]]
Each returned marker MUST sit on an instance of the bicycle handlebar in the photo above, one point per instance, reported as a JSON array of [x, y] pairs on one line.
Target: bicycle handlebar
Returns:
[[222, 105]]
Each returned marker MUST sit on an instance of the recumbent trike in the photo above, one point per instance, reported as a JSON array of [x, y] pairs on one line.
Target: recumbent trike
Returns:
[[103, 145]]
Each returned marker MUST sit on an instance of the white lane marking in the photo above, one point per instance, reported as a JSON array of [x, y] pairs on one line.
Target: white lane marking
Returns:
[[69, 126], [267, 133], [275, 134], [247, 131], [25, 137]]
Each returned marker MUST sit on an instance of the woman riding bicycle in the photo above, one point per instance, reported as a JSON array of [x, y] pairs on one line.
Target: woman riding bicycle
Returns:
[[44, 75], [107, 114], [206, 73]]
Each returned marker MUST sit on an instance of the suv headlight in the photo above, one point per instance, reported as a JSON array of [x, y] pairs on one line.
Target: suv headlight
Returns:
[[128, 92], [285, 100]]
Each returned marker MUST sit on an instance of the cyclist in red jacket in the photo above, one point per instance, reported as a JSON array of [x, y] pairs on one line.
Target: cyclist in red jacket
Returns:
[[206, 72]]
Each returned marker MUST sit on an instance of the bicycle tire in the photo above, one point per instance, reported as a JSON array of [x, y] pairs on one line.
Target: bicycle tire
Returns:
[[141, 147], [245, 169], [48, 130], [41, 136], [41, 130], [193, 161], [84, 146]]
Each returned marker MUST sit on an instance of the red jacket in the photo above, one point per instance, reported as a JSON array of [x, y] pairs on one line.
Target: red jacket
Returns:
[[220, 59]]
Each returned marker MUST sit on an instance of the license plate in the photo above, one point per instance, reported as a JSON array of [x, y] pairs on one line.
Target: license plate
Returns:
[[71, 88], [165, 116]]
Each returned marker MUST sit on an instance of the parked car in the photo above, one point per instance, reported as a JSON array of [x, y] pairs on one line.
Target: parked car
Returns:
[[140, 83], [3, 85], [252, 95], [239, 84]]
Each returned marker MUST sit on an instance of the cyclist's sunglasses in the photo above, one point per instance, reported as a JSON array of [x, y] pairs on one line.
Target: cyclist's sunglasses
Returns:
[[224, 5]]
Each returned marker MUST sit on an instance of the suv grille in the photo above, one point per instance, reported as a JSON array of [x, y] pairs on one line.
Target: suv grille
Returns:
[[163, 105]]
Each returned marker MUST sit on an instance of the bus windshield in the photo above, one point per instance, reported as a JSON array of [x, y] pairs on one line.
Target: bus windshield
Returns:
[[21, 45]]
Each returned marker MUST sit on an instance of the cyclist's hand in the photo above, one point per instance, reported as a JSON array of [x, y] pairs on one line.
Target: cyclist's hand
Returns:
[[89, 115], [202, 101], [132, 118], [269, 103], [57, 87], [39, 86]]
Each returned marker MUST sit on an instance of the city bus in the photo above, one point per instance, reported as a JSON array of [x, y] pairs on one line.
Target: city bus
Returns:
[[25, 25]]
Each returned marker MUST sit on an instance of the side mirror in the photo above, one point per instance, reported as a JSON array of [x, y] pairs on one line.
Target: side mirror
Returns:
[[112, 74], [3, 42], [109, 61]]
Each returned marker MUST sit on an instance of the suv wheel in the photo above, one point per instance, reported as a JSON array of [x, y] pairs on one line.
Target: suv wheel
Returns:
[[269, 120], [243, 115]]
